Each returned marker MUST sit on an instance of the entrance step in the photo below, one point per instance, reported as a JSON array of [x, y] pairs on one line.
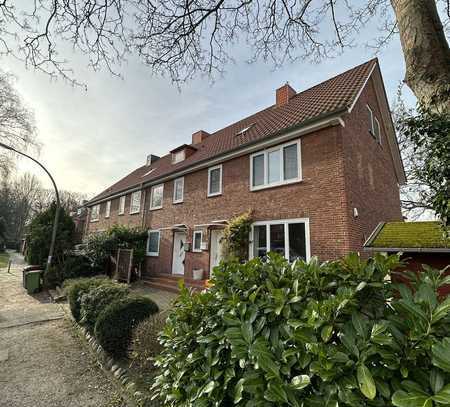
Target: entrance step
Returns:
[[170, 283]]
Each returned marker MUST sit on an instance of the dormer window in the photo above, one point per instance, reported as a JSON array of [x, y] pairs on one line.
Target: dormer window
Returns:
[[178, 156]]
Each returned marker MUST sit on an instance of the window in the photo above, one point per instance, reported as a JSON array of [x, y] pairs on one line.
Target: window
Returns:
[[153, 243], [156, 197], [178, 156], [135, 203], [215, 181], [95, 214], [377, 130], [122, 205], [290, 238], [108, 209], [178, 190], [197, 246], [276, 166]]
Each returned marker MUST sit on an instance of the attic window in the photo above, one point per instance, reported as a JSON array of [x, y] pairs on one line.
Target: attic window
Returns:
[[178, 156], [241, 132]]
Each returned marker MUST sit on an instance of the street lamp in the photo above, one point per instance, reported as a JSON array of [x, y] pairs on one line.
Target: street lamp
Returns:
[[58, 204]]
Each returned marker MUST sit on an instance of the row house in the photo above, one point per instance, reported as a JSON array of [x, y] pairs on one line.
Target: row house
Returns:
[[319, 169]]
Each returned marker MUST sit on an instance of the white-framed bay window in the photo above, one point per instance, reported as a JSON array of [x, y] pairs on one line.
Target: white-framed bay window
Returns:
[[288, 237], [197, 241], [153, 242], [178, 190], [156, 197], [95, 213], [215, 180], [276, 166], [108, 209], [135, 202]]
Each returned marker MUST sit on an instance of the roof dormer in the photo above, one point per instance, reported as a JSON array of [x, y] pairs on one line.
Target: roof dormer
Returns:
[[182, 152]]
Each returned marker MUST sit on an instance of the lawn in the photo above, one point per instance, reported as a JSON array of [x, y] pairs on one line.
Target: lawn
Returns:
[[4, 257]]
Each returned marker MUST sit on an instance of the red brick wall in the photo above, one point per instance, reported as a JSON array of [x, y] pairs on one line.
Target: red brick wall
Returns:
[[371, 182]]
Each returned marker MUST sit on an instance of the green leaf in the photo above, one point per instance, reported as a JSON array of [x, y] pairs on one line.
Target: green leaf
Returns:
[[247, 332], [275, 392], [326, 332], [300, 382], [403, 399], [436, 380], [359, 324], [238, 391], [443, 396], [441, 311], [441, 355], [366, 382], [209, 387], [268, 365]]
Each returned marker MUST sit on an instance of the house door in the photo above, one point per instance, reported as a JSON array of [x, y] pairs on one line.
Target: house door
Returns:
[[179, 240], [216, 253]]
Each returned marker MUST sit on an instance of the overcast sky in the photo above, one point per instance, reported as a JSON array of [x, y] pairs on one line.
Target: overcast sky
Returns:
[[93, 138]]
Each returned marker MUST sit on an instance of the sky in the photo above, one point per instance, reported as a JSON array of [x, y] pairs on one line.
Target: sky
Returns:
[[92, 138]]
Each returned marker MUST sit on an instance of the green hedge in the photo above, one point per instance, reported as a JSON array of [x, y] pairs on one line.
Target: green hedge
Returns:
[[308, 334], [97, 299], [115, 323], [75, 290]]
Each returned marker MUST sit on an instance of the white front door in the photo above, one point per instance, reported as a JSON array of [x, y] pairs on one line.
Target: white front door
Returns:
[[179, 240], [216, 253]]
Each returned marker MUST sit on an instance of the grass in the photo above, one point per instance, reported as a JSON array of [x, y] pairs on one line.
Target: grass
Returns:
[[4, 258]]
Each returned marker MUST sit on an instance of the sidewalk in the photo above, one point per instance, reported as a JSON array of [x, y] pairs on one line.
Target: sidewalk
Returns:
[[42, 362]]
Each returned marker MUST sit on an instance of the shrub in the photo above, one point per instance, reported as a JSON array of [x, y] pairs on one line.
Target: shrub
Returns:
[[75, 290], [115, 323], [52, 277], [144, 344], [76, 267], [97, 299], [308, 334]]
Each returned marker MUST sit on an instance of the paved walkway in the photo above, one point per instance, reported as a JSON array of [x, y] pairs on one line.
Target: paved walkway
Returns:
[[42, 362]]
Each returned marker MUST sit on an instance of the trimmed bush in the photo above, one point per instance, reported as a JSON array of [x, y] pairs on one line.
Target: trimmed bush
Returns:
[[308, 334], [144, 344], [76, 267], [97, 299], [52, 277], [76, 288], [115, 323]]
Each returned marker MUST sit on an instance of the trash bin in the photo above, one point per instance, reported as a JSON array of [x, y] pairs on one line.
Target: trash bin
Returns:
[[33, 281], [28, 269]]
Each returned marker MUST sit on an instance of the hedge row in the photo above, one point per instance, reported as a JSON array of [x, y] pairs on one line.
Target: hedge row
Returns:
[[108, 311]]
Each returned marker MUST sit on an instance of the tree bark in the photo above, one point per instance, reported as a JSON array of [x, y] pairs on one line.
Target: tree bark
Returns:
[[426, 52]]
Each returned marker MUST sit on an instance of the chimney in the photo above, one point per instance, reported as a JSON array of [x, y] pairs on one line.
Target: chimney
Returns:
[[151, 158], [199, 136], [284, 94]]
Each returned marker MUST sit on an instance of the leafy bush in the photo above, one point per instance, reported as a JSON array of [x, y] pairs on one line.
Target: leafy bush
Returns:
[[40, 232], [97, 299], [76, 267], [144, 344], [115, 323], [237, 237], [308, 334], [52, 277], [75, 290]]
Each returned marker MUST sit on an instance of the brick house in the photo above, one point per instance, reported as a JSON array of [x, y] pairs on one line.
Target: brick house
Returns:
[[319, 168]]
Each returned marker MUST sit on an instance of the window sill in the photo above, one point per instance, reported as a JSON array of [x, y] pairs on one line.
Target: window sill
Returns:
[[94, 220], [156, 208], [135, 213], [213, 195], [152, 254], [196, 251], [177, 202], [278, 184], [121, 214]]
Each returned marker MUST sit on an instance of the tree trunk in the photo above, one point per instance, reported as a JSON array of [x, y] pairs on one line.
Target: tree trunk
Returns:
[[426, 52]]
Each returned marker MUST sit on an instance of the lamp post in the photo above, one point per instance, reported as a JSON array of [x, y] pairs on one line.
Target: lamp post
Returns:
[[58, 204]]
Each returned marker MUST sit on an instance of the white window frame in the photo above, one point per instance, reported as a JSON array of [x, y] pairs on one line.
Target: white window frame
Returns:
[[211, 169], [371, 128], [153, 254], [122, 205], [194, 249], [181, 179], [178, 156], [95, 211], [266, 167], [284, 222], [108, 209], [152, 208], [131, 202]]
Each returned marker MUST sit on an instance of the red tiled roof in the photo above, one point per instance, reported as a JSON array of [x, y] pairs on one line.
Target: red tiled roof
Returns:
[[333, 95]]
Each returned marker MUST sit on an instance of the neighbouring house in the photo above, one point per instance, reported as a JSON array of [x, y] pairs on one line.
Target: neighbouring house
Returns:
[[79, 218], [419, 242], [319, 168]]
